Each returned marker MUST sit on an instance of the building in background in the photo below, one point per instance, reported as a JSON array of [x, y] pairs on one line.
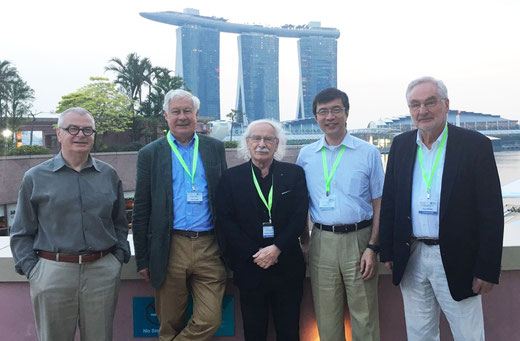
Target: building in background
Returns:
[[198, 64], [258, 88], [317, 58]]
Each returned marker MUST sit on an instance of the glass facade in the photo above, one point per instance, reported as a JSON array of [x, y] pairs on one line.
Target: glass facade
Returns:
[[198, 64], [257, 94], [318, 70]]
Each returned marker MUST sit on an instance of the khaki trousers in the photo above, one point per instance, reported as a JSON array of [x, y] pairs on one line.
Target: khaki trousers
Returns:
[[65, 295], [334, 260], [194, 267]]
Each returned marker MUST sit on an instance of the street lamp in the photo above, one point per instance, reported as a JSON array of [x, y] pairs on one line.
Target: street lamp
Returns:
[[7, 133]]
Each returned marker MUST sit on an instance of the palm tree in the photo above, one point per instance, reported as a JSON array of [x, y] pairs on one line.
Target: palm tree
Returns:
[[19, 96], [153, 106], [8, 75], [132, 75]]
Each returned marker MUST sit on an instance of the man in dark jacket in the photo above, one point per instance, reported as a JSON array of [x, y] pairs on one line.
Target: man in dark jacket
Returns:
[[441, 218], [262, 210]]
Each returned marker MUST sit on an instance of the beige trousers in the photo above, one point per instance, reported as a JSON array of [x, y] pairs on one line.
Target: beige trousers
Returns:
[[335, 278], [65, 295], [194, 267]]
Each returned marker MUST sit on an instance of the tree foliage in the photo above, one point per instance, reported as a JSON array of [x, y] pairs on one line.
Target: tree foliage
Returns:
[[146, 86], [110, 109], [15, 97]]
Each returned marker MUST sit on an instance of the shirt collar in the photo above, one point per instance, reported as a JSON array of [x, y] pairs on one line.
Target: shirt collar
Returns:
[[347, 141], [59, 163], [420, 142], [178, 144]]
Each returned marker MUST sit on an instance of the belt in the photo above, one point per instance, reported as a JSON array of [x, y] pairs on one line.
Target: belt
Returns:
[[193, 234], [344, 228], [70, 258], [427, 241]]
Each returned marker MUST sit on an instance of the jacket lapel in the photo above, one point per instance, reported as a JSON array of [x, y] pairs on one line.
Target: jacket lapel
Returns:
[[165, 174], [451, 164], [409, 154]]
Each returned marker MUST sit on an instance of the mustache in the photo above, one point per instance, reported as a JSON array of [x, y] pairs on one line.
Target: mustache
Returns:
[[262, 149]]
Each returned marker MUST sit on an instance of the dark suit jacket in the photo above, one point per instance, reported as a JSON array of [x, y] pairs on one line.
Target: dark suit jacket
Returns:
[[471, 218], [240, 226], [152, 219]]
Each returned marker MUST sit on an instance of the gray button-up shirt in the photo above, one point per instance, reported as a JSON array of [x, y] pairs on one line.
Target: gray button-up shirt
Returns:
[[62, 210]]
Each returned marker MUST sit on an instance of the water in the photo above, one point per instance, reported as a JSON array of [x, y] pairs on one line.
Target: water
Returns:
[[508, 164]]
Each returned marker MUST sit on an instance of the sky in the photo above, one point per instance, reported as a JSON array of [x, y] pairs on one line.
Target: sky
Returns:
[[472, 45]]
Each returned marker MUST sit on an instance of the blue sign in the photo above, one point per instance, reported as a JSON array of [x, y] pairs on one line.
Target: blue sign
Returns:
[[146, 323]]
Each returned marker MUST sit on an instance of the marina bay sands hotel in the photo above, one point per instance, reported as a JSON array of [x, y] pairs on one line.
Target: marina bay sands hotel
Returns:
[[197, 62]]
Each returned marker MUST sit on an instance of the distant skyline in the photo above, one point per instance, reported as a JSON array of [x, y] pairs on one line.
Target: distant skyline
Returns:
[[470, 45]]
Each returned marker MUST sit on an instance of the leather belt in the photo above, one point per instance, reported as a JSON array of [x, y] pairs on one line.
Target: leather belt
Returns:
[[193, 234], [427, 241], [70, 258], [344, 228]]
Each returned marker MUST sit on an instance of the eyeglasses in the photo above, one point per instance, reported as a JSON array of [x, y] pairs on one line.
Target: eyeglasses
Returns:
[[177, 112], [74, 130], [430, 103], [336, 111], [267, 139]]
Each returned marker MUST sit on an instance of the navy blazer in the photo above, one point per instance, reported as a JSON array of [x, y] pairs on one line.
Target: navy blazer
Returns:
[[471, 217], [240, 227], [152, 219]]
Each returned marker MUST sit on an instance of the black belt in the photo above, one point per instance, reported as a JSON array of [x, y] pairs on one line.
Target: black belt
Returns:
[[344, 228], [427, 241], [192, 234]]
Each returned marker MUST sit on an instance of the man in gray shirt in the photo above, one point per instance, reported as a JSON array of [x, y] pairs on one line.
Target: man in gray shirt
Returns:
[[69, 236]]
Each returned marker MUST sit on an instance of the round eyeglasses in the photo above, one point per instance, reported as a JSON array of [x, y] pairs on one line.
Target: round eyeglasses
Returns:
[[74, 130]]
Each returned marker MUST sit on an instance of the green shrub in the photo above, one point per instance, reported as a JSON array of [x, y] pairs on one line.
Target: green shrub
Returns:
[[29, 150], [230, 144]]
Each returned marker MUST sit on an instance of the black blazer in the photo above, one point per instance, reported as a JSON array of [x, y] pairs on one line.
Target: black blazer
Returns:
[[152, 219], [240, 228], [471, 218]]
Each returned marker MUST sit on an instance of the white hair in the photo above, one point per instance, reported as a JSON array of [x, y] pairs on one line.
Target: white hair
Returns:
[[441, 87], [77, 110], [179, 93], [243, 151]]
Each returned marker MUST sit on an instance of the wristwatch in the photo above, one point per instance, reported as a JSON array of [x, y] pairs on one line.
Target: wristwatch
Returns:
[[374, 248]]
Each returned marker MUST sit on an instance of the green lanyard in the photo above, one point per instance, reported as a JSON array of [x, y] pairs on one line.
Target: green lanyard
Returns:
[[326, 175], [195, 157], [268, 204], [428, 178]]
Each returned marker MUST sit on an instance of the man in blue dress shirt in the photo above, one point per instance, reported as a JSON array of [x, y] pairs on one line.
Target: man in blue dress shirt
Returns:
[[345, 182], [173, 220]]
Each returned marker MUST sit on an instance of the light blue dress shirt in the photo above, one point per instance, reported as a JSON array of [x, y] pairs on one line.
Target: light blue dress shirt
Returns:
[[427, 225], [358, 180], [189, 216]]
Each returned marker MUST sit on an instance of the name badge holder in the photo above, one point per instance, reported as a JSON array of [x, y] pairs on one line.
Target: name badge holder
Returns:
[[268, 230], [193, 196], [328, 202], [267, 227], [430, 206]]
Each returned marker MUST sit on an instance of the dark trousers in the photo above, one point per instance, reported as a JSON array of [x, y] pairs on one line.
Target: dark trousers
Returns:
[[284, 299]]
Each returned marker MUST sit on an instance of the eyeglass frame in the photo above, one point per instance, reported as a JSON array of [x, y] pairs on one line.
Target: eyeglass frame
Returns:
[[79, 129], [267, 139], [325, 111], [429, 103]]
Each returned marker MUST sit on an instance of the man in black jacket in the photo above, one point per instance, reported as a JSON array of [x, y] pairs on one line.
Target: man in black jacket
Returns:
[[441, 218], [261, 211]]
